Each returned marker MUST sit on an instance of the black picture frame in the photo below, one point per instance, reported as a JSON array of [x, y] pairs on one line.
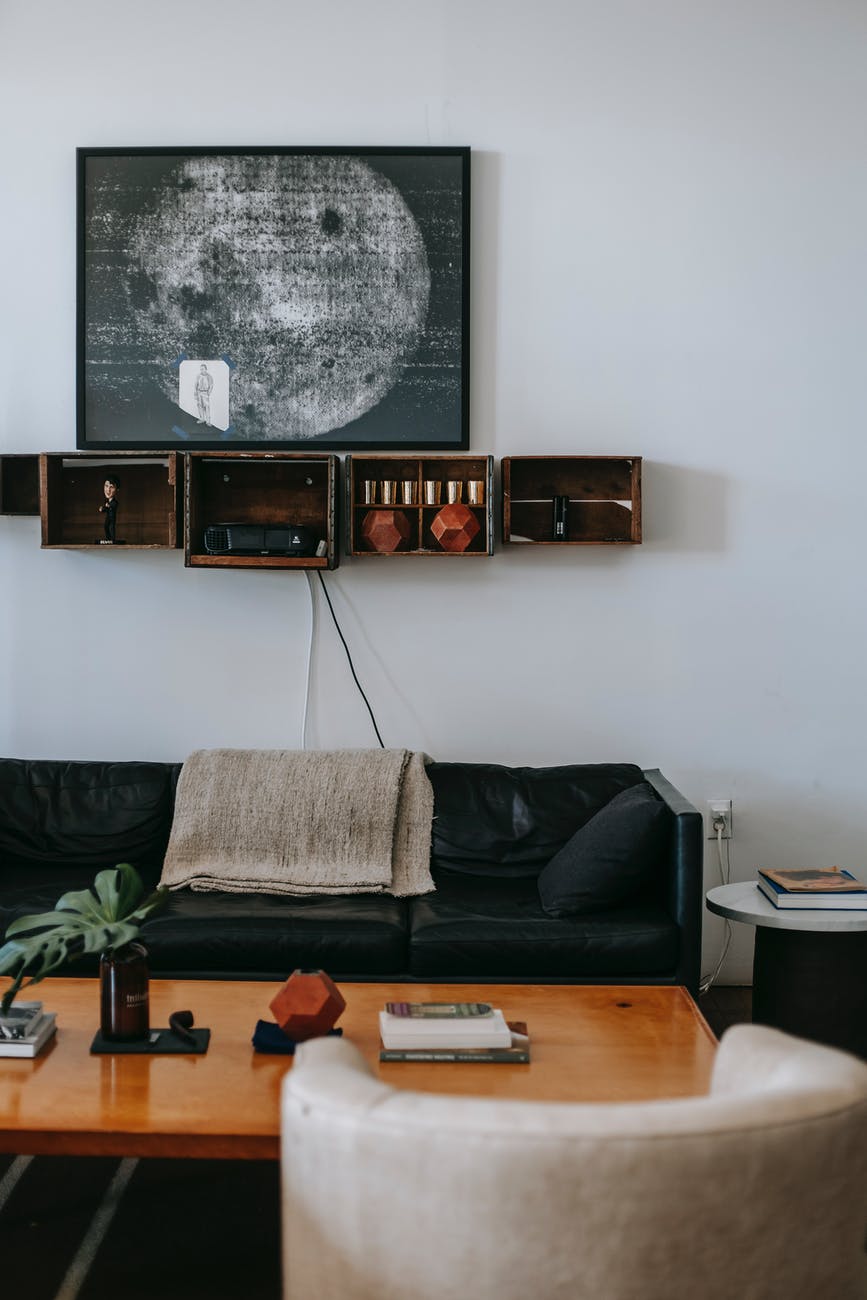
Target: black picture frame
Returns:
[[324, 293]]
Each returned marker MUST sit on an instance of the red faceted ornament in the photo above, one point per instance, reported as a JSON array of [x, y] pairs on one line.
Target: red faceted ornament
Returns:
[[454, 527], [384, 530], [308, 1005]]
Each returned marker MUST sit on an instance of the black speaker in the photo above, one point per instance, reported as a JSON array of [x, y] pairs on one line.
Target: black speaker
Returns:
[[259, 539]]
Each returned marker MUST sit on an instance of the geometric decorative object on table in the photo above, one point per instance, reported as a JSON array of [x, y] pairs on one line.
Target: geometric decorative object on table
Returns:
[[454, 527], [307, 1005], [385, 530]]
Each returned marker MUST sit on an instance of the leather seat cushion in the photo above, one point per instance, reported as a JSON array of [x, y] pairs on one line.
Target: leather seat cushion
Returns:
[[273, 935], [478, 928], [252, 934]]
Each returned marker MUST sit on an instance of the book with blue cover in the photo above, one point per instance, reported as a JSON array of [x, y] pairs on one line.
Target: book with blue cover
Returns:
[[822, 887]]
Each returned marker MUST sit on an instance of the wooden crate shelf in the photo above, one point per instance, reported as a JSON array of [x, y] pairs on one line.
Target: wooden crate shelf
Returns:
[[261, 488], [420, 528], [71, 490], [604, 499], [19, 484]]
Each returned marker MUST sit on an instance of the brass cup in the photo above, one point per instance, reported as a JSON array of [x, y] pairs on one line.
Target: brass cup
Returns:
[[433, 492], [409, 491], [388, 492], [476, 492], [454, 491], [368, 491]]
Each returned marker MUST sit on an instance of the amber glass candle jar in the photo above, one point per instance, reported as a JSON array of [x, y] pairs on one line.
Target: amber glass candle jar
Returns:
[[124, 1002]]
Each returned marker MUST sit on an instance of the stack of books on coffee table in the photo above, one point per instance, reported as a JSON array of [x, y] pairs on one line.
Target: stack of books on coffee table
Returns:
[[451, 1031], [25, 1029], [823, 887]]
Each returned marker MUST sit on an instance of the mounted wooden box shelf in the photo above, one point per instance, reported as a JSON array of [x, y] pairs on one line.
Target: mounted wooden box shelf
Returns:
[[19, 484], [268, 491], [71, 485], [392, 509], [604, 500]]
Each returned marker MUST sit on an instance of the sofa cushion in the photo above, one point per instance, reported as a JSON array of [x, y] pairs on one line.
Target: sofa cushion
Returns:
[[237, 934], [85, 814], [268, 935], [472, 928], [491, 820], [610, 858]]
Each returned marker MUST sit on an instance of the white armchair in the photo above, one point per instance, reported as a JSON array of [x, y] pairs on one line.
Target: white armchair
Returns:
[[757, 1191]]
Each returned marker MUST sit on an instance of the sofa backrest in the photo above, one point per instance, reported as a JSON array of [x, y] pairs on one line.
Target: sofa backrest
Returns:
[[85, 813], [491, 820]]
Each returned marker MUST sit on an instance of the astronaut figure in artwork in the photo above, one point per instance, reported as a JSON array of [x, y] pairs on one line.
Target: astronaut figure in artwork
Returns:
[[108, 510], [204, 387]]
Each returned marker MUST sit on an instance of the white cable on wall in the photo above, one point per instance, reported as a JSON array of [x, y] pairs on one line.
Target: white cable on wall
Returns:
[[307, 676], [725, 871]]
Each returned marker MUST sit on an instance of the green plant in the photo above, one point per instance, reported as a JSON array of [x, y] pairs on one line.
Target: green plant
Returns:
[[101, 919]]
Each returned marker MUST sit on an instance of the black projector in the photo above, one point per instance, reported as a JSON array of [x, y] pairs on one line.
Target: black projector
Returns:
[[259, 539]]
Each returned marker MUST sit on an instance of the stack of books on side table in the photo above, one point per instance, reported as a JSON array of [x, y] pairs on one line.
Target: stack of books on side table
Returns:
[[25, 1029], [823, 887], [451, 1031]]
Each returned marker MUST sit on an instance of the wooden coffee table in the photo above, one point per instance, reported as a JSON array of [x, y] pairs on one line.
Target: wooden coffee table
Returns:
[[589, 1043]]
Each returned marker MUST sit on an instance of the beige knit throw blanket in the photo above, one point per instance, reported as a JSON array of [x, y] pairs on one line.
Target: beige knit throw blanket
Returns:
[[278, 821]]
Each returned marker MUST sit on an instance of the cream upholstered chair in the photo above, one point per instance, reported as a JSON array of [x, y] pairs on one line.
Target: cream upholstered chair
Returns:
[[757, 1191]]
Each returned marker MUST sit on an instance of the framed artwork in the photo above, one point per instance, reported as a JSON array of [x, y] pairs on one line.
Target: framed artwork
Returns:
[[273, 298]]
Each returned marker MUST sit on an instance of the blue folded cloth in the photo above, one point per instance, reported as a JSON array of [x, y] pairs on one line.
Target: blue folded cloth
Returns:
[[269, 1037]]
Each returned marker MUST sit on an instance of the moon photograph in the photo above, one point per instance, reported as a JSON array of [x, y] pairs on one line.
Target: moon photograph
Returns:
[[329, 287]]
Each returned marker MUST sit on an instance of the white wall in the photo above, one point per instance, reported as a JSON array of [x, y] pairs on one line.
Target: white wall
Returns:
[[669, 259]]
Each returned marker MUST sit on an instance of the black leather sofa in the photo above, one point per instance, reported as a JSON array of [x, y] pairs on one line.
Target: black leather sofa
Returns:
[[494, 829]]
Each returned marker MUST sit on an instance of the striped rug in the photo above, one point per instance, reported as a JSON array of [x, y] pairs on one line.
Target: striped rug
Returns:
[[108, 1229]]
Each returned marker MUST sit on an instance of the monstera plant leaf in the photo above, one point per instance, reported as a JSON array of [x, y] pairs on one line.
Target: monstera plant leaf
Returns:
[[100, 919]]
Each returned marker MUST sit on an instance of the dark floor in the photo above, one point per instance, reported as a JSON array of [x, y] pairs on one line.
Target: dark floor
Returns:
[[181, 1229], [724, 1006]]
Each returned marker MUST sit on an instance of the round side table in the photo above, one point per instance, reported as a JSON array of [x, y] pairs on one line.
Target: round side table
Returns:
[[809, 968]]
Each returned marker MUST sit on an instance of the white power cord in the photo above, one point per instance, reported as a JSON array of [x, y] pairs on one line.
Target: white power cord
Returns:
[[725, 871], [309, 576]]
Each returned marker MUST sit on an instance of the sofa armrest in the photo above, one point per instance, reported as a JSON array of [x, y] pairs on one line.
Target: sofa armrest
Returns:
[[685, 877]]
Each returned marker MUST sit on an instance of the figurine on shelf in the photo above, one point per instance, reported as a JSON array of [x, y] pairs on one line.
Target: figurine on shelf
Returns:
[[109, 510], [204, 388]]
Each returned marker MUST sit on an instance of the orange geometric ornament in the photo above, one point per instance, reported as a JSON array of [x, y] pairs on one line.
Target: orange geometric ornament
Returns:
[[454, 527], [307, 1005], [384, 530]]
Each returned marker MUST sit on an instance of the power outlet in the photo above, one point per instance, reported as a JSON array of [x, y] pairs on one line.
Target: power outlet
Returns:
[[716, 809]]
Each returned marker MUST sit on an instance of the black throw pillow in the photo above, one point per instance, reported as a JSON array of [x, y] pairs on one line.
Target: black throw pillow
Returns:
[[609, 857]]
